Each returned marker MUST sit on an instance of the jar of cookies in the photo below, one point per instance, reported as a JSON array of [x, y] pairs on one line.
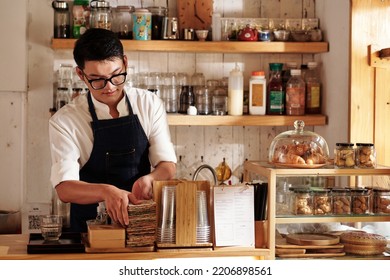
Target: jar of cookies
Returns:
[[365, 155], [381, 201], [344, 155], [360, 201], [341, 201], [302, 202], [298, 148], [322, 202]]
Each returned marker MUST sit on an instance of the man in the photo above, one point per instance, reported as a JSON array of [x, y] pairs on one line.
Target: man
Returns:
[[110, 144]]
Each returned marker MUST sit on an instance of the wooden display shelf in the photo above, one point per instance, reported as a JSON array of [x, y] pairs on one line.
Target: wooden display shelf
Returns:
[[244, 120], [211, 47]]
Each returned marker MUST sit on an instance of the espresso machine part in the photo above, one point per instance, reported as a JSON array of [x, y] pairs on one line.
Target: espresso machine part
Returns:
[[170, 28]]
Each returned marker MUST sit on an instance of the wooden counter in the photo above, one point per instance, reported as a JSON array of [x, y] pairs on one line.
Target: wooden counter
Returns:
[[14, 247]]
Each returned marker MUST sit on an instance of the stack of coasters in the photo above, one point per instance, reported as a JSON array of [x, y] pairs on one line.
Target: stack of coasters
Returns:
[[106, 236], [142, 228]]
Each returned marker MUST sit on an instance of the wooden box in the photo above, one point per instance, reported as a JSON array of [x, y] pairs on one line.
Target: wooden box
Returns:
[[186, 212]]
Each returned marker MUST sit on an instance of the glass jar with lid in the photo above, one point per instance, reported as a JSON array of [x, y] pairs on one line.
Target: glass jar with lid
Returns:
[[298, 148], [123, 21], [341, 201], [101, 16], [365, 155], [302, 201], [360, 201], [344, 155], [381, 201], [322, 201]]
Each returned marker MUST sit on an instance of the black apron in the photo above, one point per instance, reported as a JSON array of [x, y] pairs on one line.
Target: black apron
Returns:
[[119, 157]]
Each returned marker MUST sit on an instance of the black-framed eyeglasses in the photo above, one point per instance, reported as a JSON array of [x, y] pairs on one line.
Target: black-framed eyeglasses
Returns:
[[100, 83]]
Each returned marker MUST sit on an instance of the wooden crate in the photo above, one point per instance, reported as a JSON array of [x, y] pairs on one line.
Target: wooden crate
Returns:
[[186, 212]]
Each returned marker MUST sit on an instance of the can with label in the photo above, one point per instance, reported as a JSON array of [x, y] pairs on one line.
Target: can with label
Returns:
[[142, 24]]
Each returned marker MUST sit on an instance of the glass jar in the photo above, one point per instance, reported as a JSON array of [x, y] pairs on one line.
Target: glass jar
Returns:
[[123, 22], [344, 155], [360, 201], [158, 14], [61, 19], [322, 202], [302, 202], [365, 155], [381, 201], [298, 148], [101, 16], [341, 201]]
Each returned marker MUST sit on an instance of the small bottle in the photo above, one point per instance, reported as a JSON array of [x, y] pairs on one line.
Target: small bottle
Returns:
[[313, 89], [295, 94], [236, 92], [187, 99], [216, 26], [257, 93], [276, 97], [286, 73]]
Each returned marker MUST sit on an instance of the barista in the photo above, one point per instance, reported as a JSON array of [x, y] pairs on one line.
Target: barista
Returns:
[[110, 144]]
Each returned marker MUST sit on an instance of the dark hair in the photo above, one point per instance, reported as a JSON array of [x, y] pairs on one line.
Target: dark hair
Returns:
[[97, 44]]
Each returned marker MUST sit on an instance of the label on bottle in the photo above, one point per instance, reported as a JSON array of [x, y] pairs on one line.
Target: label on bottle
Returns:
[[313, 96], [276, 99], [257, 95]]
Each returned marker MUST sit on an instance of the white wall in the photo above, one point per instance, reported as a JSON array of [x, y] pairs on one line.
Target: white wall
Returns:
[[25, 109]]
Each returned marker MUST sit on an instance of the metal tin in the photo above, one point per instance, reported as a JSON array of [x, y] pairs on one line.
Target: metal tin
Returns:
[[142, 24]]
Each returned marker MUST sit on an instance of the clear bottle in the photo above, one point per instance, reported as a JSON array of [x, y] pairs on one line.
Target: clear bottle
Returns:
[[257, 93], [295, 94], [276, 97], [313, 89], [80, 14], [286, 73], [236, 92]]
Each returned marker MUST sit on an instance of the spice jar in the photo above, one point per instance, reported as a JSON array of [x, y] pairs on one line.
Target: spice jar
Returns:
[[381, 201], [360, 201], [344, 155], [322, 202], [341, 201], [302, 202], [365, 155]]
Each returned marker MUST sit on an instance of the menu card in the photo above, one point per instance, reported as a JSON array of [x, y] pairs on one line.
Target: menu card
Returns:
[[234, 215]]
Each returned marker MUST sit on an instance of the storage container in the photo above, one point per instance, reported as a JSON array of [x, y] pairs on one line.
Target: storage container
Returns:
[[344, 155], [381, 201], [322, 202], [361, 201], [302, 202], [365, 155], [341, 201]]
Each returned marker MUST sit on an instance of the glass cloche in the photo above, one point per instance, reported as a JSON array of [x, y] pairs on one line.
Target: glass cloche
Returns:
[[298, 148]]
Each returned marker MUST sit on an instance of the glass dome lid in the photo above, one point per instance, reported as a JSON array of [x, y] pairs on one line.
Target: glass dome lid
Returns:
[[298, 148]]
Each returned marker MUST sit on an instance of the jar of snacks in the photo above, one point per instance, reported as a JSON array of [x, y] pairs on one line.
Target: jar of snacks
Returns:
[[381, 201], [298, 148], [360, 198], [322, 202], [344, 155], [365, 155], [341, 201], [302, 202]]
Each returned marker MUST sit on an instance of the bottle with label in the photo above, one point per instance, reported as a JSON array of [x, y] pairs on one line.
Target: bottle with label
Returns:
[[236, 92], [81, 14], [286, 73], [295, 94], [313, 89], [275, 104], [257, 93]]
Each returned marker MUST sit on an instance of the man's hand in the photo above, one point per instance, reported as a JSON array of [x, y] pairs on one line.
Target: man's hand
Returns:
[[142, 188]]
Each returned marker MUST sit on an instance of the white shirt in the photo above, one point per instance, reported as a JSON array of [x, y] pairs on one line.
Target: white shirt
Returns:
[[71, 136]]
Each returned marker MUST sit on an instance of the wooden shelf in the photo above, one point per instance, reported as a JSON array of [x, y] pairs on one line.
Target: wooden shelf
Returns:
[[244, 120], [211, 47]]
